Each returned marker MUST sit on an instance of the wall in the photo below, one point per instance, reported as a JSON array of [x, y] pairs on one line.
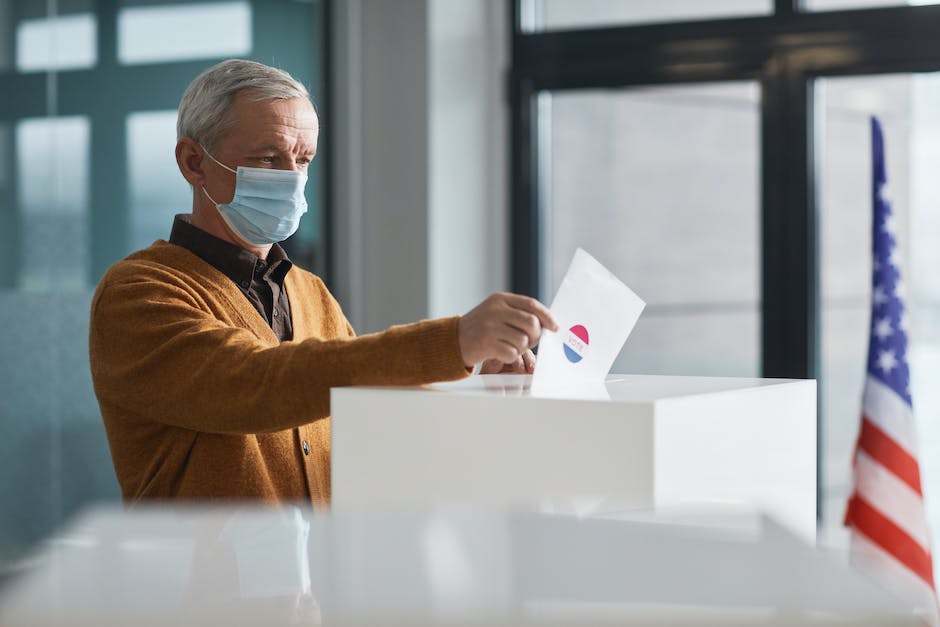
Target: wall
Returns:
[[419, 142]]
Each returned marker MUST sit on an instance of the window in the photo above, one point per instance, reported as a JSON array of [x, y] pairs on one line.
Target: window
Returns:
[[615, 160], [541, 15], [65, 42], [199, 31]]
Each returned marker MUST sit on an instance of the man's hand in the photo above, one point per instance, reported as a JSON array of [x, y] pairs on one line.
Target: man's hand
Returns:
[[525, 364], [503, 327]]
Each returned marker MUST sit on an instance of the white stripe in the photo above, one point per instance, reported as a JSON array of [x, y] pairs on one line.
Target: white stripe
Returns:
[[892, 497], [894, 577], [890, 413]]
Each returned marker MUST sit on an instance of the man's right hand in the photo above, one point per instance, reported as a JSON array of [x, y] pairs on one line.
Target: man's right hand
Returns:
[[502, 327]]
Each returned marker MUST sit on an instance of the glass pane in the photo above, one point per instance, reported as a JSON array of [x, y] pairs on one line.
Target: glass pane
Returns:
[[908, 106], [157, 189], [52, 170], [634, 177], [838, 5], [79, 191], [540, 15], [64, 42], [179, 32]]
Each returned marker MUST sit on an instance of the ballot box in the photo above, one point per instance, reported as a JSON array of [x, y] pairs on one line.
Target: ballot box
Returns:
[[444, 565], [635, 441]]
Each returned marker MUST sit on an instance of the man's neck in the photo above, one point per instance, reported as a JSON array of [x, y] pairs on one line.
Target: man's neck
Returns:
[[211, 222]]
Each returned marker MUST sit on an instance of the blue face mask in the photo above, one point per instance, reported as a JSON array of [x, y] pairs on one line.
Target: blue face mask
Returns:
[[267, 205]]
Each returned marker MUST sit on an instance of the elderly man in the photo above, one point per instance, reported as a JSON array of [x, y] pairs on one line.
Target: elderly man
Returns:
[[213, 356]]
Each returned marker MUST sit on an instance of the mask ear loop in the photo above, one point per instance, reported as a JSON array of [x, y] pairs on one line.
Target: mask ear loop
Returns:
[[235, 172], [209, 154]]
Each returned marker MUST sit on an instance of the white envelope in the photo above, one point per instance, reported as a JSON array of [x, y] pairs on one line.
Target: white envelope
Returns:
[[596, 313]]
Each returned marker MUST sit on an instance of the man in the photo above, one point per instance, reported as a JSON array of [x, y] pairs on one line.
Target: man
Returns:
[[213, 356]]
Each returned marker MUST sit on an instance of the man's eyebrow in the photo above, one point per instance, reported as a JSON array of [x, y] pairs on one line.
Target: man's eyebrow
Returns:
[[267, 147], [273, 148]]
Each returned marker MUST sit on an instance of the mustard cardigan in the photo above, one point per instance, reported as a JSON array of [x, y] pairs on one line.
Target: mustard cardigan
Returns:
[[201, 401]]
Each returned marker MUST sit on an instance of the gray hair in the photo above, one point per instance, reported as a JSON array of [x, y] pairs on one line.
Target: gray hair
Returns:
[[205, 112]]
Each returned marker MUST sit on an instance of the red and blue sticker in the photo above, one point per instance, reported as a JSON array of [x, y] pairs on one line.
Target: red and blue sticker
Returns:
[[576, 344]]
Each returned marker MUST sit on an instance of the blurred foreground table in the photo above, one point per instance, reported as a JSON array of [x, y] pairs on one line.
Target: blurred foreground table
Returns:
[[437, 566]]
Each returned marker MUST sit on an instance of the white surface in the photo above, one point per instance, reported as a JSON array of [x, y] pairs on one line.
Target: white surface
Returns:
[[657, 441], [419, 133], [233, 567]]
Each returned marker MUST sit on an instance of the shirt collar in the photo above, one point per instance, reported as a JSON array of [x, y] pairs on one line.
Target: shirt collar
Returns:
[[230, 259]]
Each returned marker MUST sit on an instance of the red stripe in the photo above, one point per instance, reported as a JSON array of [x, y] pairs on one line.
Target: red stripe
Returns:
[[894, 540], [883, 449]]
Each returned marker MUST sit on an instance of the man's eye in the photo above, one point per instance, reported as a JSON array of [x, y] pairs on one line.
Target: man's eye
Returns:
[[267, 159]]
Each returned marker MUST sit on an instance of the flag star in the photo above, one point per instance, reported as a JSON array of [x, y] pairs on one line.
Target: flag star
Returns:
[[900, 288], [890, 225], [895, 257], [875, 265], [884, 193], [883, 329], [887, 361], [878, 296], [905, 322]]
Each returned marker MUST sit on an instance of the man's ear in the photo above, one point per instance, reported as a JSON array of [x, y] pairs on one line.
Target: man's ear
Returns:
[[189, 158]]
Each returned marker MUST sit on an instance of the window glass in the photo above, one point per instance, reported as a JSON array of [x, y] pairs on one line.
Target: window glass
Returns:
[[177, 32], [661, 185], [540, 15], [52, 181], [839, 5], [157, 190], [908, 106], [64, 42]]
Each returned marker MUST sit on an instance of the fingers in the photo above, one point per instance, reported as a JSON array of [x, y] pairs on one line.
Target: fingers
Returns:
[[492, 366], [528, 360], [503, 327], [532, 306]]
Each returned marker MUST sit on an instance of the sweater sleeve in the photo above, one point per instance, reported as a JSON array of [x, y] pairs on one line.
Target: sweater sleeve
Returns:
[[157, 352]]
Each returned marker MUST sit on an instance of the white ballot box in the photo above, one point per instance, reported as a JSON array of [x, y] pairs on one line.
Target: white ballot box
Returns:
[[637, 442]]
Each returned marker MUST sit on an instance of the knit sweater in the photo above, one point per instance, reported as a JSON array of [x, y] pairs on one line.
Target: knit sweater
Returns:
[[201, 401]]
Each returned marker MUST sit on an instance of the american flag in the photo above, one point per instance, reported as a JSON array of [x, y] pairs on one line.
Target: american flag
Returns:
[[885, 513]]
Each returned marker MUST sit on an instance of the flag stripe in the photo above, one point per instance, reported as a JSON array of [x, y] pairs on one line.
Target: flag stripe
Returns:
[[890, 413], [894, 576], [880, 530], [886, 451], [895, 499]]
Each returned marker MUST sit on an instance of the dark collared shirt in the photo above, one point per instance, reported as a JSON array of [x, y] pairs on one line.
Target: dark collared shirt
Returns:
[[261, 281]]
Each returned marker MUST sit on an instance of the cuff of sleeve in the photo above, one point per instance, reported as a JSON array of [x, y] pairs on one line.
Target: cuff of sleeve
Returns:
[[440, 350], [436, 349]]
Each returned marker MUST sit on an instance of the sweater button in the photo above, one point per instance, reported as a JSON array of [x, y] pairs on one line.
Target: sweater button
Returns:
[[306, 447]]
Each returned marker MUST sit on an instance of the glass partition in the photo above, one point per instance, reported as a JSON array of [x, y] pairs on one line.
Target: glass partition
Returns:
[[87, 175]]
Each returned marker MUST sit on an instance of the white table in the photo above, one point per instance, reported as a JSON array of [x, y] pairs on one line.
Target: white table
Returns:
[[166, 566]]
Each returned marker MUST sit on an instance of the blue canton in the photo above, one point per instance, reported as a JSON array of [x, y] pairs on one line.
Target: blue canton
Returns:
[[887, 345]]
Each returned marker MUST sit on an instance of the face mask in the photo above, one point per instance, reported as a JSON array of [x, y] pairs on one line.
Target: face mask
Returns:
[[267, 205]]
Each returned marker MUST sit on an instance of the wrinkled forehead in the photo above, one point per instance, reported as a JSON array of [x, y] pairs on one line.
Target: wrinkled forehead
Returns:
[[258, 118]]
